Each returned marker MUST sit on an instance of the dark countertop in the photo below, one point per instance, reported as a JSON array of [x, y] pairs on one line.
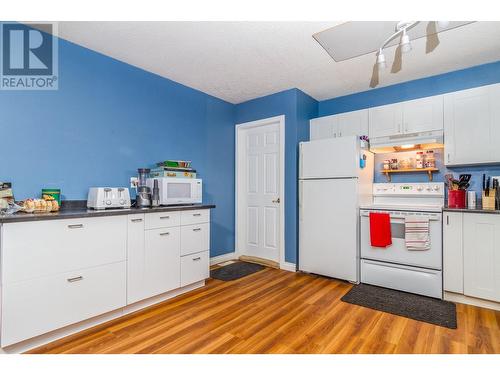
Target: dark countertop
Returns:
[[477, 210], [76, 213]]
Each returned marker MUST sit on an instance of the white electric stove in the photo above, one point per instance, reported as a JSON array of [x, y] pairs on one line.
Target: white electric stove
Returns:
[[395, 266]]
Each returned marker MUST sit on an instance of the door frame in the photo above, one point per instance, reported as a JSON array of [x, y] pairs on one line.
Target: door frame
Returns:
[[240, 128]]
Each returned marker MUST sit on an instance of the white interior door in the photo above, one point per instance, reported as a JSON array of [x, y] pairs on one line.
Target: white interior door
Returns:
[[259, 190]]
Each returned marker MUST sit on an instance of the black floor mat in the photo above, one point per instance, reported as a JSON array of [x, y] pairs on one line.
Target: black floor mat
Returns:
[[413, 306], [235, 271]]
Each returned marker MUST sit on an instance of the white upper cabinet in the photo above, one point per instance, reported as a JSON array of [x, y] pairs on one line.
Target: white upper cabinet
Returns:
[[423, 115], [322, 127], [413, 116], [341, 125], [352, 123], [386, 120], [472, 121]]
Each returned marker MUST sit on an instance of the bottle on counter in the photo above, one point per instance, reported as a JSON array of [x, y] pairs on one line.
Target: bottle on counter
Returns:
[[430, 160], [387, 165], [420, 160]]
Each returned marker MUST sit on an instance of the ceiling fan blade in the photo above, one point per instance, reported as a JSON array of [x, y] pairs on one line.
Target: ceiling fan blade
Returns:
[[432, 37], [397, 64], [374, 81]]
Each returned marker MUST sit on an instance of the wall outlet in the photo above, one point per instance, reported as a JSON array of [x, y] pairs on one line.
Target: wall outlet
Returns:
[[134, 182]]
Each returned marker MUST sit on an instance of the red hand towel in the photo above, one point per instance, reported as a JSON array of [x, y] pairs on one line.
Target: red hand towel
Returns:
[[380, 229]]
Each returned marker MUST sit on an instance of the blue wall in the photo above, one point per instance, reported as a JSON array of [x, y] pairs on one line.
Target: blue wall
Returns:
[[298, 108], [107, 119], [440, 84]]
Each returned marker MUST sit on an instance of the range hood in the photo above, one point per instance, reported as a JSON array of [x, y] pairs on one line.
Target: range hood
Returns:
[[407, 142]]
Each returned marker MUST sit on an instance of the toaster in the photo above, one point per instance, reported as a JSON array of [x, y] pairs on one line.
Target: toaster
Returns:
[[100, 198]]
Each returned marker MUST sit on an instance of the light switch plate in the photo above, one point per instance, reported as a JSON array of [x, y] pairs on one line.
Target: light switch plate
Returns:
[[134, 181]]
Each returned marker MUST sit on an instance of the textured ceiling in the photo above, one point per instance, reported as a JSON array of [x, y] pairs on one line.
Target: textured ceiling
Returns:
[[238, 61]]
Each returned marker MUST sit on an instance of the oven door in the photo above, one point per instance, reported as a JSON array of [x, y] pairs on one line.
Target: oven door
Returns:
[[397, 252]]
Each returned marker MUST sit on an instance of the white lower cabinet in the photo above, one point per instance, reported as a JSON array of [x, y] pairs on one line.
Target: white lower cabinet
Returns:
[[453, 255], [56, 273], [471, 255], [482, 256], [31, 308], [195, 267], [161, 261], [156, 248]]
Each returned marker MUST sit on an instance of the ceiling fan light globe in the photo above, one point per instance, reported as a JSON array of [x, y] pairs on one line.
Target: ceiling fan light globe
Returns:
[[381, 61], [405, 43]]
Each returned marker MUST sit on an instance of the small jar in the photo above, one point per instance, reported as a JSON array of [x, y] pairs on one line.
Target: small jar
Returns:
[[387, 165], [430, 160], [394, 163], [419, 160], [404, 164]]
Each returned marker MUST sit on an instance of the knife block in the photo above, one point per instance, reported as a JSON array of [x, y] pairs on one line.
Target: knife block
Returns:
[[489, 202]]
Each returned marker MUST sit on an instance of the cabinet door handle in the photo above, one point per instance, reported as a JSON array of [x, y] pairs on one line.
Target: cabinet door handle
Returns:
[[197, 258], [448, 157], [447, 220], [340, 133], [75, 279], [75, 226], [136, 220], [196, 229], [165, 234], [164, 217], [196, 214]]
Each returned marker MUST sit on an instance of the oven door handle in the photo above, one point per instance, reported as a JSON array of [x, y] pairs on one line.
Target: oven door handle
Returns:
[[402, 218]]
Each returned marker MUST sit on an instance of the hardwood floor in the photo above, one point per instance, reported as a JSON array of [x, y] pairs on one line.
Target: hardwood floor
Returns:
[[275, 311]]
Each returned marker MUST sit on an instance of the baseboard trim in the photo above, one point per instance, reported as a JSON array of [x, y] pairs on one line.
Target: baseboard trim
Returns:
[[92, 323], [261, 261], [287, 266], [223, 258], [460, 298]]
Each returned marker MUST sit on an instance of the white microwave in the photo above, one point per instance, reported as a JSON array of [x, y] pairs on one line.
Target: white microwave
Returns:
[[177, 190]]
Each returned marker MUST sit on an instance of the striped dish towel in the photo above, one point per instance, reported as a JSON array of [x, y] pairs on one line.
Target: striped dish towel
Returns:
[[417, 235]]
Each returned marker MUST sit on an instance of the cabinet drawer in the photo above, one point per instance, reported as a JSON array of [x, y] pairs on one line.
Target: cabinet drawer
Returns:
[[162, 220], [195, 217], [194, 267], [43, 248], [34, 307], [195, 238]]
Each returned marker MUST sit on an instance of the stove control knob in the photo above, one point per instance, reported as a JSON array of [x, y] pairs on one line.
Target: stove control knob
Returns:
[[108, 202], [428, 188], [420, 188], [122, 201], [436, 187]]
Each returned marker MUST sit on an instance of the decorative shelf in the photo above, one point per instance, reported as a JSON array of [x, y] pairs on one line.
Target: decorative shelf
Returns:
[[429, 172]]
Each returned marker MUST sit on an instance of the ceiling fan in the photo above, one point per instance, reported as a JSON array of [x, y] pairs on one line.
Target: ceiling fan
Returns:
[[368, 35]]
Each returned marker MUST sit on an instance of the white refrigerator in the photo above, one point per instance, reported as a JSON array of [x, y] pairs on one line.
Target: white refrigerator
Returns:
[[332, 186]]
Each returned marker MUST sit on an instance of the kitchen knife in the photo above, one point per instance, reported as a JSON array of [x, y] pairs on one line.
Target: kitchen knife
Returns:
[[484, 183], [488, 187]]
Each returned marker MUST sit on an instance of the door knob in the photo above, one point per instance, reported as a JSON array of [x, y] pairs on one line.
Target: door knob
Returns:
[[276, 200]]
